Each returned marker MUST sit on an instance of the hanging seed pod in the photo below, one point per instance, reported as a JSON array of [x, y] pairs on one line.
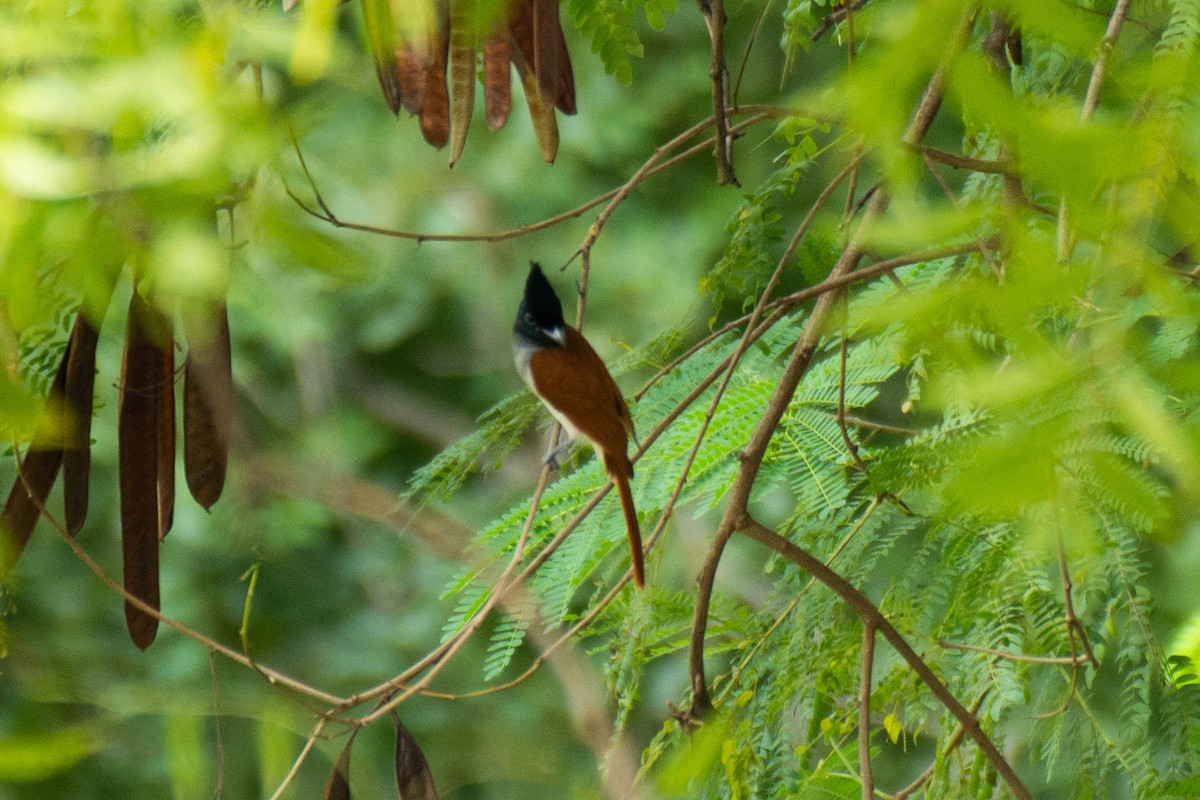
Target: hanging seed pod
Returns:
[[463, 40], [435, 110], [414, 780], [80, 397], [37, 472], [146, 376], [497, 77], [207, 405], [381, 40]]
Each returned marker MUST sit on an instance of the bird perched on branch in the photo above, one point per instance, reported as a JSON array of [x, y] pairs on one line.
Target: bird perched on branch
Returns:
[[568, 376]]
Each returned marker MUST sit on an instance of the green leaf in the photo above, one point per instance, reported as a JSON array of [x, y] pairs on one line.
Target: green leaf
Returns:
[[893, 727]]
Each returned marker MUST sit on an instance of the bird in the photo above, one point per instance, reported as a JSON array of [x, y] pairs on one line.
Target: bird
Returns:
[[570, 379]]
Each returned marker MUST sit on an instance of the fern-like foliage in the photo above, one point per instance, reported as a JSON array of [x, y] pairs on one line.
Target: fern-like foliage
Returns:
[[610, 24], [499, 432], [992, 446]]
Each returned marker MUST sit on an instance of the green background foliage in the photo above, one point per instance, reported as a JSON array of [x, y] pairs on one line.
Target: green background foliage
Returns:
[[1038, 392]]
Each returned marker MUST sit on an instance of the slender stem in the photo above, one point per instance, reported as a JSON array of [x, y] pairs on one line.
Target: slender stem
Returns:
[[1011, 656], [834, 17], [308, 746], [1074, 626], [755, 113], [851, 447], [966, 162], [274, 676], [864, 712], [788, 302], [714, 17]]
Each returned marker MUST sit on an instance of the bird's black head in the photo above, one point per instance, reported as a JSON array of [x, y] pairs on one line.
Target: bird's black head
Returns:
[[539, 318]]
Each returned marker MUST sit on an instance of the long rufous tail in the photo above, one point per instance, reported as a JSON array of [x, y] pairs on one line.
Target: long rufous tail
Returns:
[[621, 480]]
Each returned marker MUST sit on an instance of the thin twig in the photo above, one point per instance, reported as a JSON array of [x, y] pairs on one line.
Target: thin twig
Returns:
[[997, 167], [1011, 656], [304, 751], [997, 269], [647, 168], [881, 427], [754, 32], [1074, 626], [849, 210], [786, 303], [851, 447], [864, 712], [832, 284], [714, 18], [323, 212], [834, 17]]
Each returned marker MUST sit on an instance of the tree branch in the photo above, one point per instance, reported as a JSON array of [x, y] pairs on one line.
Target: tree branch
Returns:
[[708, 573], [738, 497], [864, 712], [870, 614], [834, 17], [714, 18], [323, 212], [1011, 656], [966, 162]]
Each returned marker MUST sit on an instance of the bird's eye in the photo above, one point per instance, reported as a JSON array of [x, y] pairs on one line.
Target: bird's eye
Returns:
[[529, 320]]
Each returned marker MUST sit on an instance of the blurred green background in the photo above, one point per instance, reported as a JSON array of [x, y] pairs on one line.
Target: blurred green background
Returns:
[[1053, 397], [356, 359]]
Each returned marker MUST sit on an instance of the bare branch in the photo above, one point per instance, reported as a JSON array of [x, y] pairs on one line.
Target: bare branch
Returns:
[[714, 18], [966, 162], [864, 712], [755, 114], [835, 16], [1074, 626], [1011, 656], [851, 447]]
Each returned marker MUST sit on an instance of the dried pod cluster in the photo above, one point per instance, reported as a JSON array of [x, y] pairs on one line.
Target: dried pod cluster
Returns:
[[433, 74], [146, 440]]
